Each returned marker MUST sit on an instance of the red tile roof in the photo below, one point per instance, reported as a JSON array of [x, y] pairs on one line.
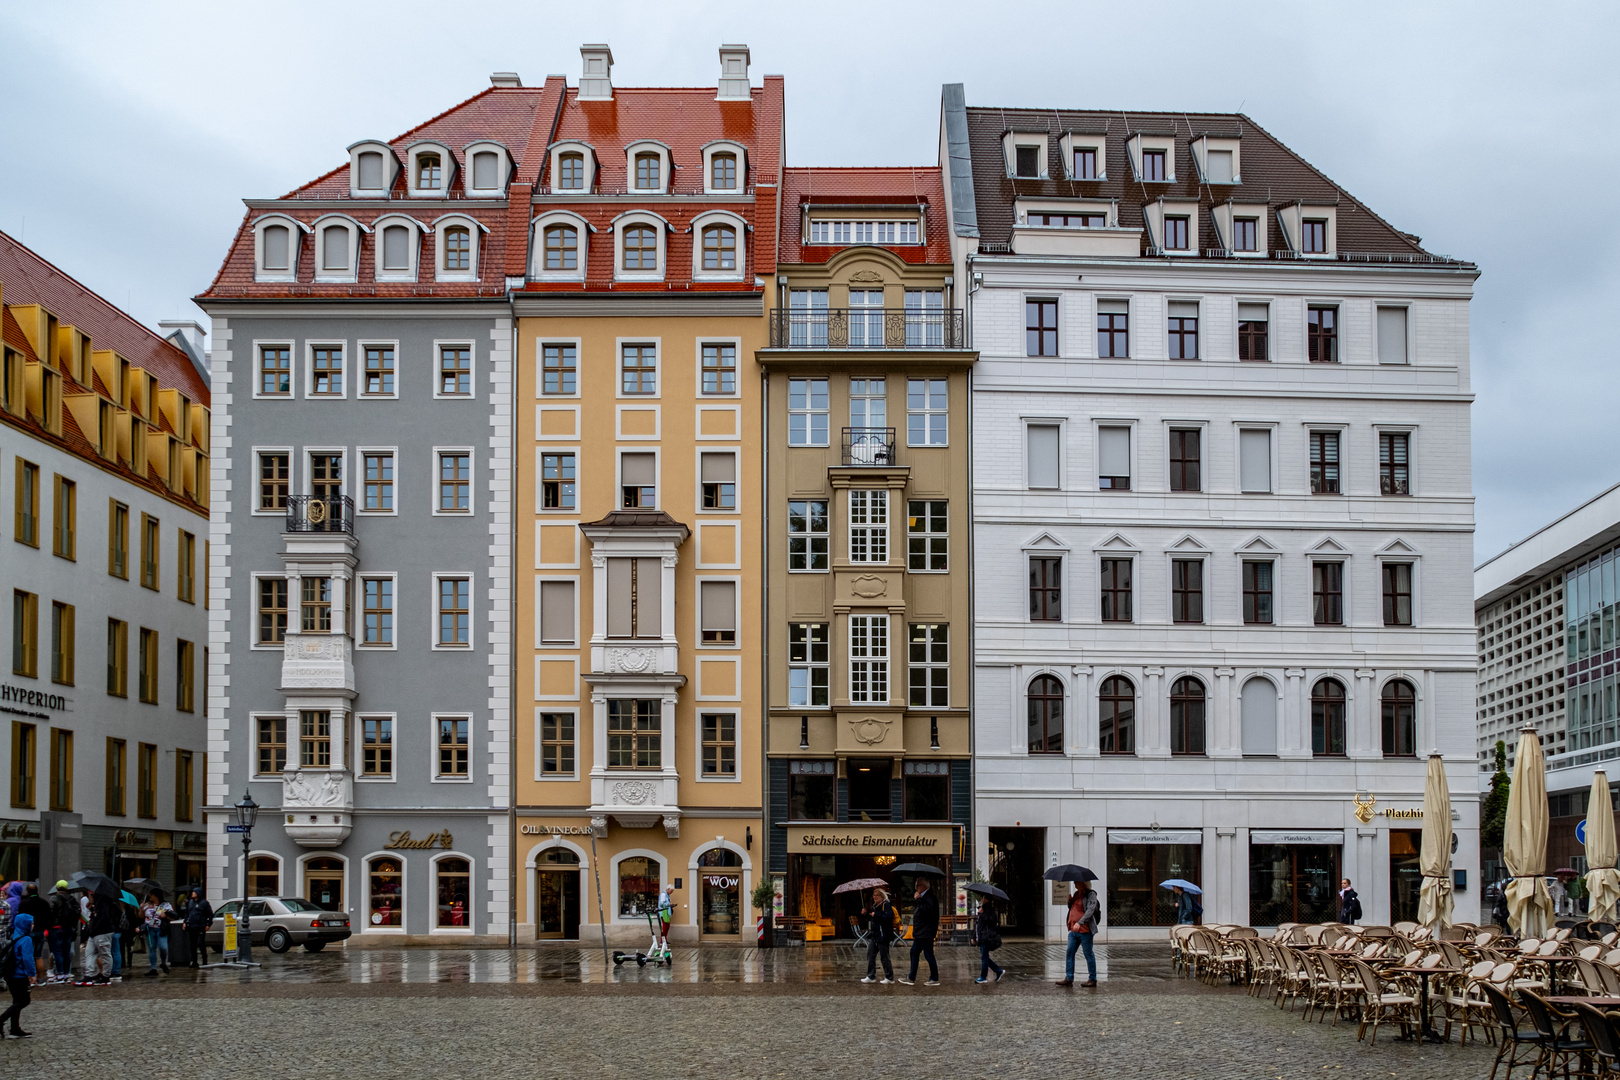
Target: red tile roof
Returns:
[[903, 185], [26, 278]]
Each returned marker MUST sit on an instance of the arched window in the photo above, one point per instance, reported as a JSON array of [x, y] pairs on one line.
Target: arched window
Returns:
[[562, 247], [647, 172], [428, 172], [276, 247], [1187, 717], [457, 248], [1400, 719], [1259, 720], [719, 856], [371, 171], [1116, 716], [335, 242], [640, 248], [396, 245], [638, 886], [723, 172], [486, 167], [453, 889], [1327, 718], [719, 248], [1045, 715], [386, 900], [264, 876], [571, 172]]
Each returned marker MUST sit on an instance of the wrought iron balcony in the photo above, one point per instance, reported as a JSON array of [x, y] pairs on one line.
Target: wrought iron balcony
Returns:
[[320, 513], [867, 328], [869, 446]]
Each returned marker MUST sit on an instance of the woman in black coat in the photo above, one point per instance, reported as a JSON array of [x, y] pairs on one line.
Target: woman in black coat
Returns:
[[987, 935]]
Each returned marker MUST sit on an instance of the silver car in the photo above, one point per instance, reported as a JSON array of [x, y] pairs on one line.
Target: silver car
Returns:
[[280, 922]]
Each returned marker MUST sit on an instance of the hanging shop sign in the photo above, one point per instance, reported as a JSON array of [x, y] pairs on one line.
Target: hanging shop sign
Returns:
[[870, 839], [401, 841], [1296, 836], [1155, 836]]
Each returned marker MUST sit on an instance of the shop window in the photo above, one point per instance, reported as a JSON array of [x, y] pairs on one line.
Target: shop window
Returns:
[[1116, 713], [1045, 700], [453, 888], [1405, 874], [927, 790], [264, 876], [1327, 718], [323, 882], [720, 875], [639, 883], [386, 876], [869, 789], [1400, 719], [1134, 873], [1187, 717], [1293, 883], [812, 787]]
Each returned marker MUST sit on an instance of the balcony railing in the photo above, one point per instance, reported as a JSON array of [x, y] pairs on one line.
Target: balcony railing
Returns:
[[869, 446], [867, 328], [320, 513]]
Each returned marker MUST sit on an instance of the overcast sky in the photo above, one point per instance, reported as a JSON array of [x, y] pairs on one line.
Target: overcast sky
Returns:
[[133, 132]]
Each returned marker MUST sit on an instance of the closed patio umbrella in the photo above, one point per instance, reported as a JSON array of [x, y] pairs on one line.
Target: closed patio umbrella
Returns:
[[1602, 881], [1434, 902], [1524, 841]]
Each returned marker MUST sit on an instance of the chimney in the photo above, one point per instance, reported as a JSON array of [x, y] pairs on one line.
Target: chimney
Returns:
[[596, 82], [507, 79], [733, 74]]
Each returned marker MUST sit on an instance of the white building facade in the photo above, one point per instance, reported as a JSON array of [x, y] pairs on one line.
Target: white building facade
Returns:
[[1223, 516]]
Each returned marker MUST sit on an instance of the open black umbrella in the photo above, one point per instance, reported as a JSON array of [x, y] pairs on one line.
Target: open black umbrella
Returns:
[[144, 887], [986, 889], [1068, 872], [917, 868], [98, 884]]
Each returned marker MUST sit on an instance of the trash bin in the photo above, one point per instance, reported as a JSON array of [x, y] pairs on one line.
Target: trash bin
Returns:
[[179, 945]]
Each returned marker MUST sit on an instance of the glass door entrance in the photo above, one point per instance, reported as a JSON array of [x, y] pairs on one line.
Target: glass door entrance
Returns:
[[556, 895], [323, 883]]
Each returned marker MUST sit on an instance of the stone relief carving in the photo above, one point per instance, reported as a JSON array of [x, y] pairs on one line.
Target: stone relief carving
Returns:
[[307, 789], [868, 586], [870, 730], [631, 661], [634, 792], [672, 826], [866, 276]]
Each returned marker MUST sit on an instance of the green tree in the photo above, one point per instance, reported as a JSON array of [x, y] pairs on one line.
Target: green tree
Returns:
[[1493, 815]]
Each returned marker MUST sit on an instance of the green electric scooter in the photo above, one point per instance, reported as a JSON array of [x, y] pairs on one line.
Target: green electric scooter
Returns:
[[657, 953]]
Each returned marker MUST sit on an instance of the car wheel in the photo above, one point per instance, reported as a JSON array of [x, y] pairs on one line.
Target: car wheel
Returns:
[[314, 946], [277, 940]]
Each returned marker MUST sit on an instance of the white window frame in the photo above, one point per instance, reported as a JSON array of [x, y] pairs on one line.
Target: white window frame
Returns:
[[1198, 302], [1203, 144], [1403, 305], [537, 232], [295, 247], [725, 147], [1156, 212], [1379, 430], [355, 231], [872, 531], [1023, 450], [1238, 428], [666, 167], [697, 746], [503, 169], [472, 481], [618, 367], [474, 238], [413, 261], [291, 345], [539, 639], [557, 150], [391, 168], [253, 628], [825, 536], [736, 467], [472, 881], [540, 506], [613, 884], [661, 229], [540, 344], [1077, 140], [1140, 141], [1130, 423], [697, 357], [360, 453], [928, 412], [929, 665], [1342, 430], [447, 170], [472, 369], [358, 763], [946, 534], [364, 914], [472, 615], [346, 476], [873, 658], [539, 750], [736, 615], [310, 345], [809, 665], [292, 475], [810, 413], [738, 225], [358, 616], [1412, 558], [618, 474], [1199, 555], [472, 746], [1326, 552], [360, 372], [304, 861], [1224, 217], [1014, 139]]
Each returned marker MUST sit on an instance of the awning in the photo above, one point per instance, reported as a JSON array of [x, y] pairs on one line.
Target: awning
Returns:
[[1296, 836], [1155, 836]]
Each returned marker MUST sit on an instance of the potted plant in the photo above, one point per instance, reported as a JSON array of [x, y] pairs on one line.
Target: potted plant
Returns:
[[765, 903]]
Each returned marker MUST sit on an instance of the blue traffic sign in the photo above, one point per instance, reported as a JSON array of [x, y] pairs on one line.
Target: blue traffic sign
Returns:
[[1580, 831]]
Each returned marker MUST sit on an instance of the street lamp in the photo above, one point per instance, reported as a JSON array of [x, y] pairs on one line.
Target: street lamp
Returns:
[[247, 812]]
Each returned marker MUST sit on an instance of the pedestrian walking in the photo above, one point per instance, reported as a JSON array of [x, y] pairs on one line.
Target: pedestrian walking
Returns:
[[1084, 916], [19, 972], [157, 913], [36, 906], [880, 923], [199, 917], [987, 936], [1349, 903], [924, 928], [64, 931], [103, 927], [666, 914], [1187, 907]]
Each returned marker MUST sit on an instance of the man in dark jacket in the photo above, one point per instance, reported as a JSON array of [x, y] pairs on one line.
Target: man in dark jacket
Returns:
[[199, 917], [1349, 903], [64, 931], [924, 928], [104, 920], [881, 932]]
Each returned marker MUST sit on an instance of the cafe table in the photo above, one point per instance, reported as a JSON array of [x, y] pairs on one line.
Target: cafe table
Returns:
[[1426, 1032], [1553, 964]]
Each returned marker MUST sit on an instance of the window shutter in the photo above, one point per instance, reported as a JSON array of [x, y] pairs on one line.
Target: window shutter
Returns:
[[337, 247], [638, 469], [1391, 335], [1183, 309], [371, 171], [1253, 313], [1043, 455], [484, 167], [1254, 448], [719, 605], [1259, 703], [649, 598], [396, 248], [275, 247], [1220, 166], [1113, 451], [1114, 307], [619, 597], [719, 468], [557, 611]]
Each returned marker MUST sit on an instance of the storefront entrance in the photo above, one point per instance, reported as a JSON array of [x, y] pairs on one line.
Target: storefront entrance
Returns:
[[863, 851], [1015, 869], [556, 915], [323, 882], [1291, 882], [720, 878], [1405, 874], [1134, 873]]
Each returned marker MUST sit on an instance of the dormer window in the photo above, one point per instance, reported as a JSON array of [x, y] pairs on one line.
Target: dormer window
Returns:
[[457, 248], [571, 172], [1175, 233], [648, 172], [864, 232], [456, 241], [1085, 163], [561, 247], [1313, 236], [1245, 234], [640, 247], [1219, 169], [1028, 161], [1218, 158], [486, 170], [723, 172], [429, 172], [1153, 165], [559, 244], [719, 248], [371, 170], [396, 247], [277, 246], [335, 248], [1069, 221]]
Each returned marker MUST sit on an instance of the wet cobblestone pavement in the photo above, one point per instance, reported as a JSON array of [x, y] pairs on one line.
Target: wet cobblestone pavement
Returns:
[[555, 1011]]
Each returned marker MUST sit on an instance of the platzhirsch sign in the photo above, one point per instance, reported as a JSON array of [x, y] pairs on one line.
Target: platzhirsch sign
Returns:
[[870, 839]]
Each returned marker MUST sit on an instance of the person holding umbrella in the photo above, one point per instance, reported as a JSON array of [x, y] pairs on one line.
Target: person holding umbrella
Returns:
[[986, 932], [880, 923], [924, 927]]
